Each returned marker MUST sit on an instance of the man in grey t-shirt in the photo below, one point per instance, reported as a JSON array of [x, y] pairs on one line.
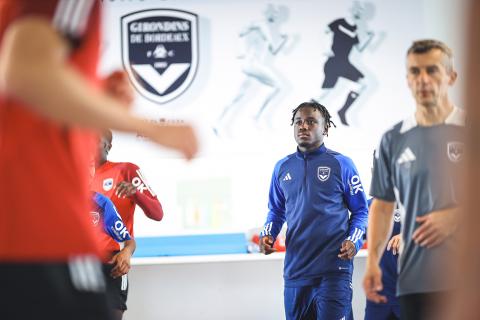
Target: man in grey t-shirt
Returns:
[[416, 166]]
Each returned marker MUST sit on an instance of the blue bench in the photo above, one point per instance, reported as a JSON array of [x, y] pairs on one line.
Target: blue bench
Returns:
[[187, 245]]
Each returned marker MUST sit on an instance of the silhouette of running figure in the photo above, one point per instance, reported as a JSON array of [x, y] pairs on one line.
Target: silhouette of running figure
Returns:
[[348, 34], [263, 41]]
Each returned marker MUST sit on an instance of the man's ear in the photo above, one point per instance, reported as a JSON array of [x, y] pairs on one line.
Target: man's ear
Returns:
[[453, 77]]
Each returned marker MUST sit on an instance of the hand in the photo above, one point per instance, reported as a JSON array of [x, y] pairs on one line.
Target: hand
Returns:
[[266, 245], [121, 262], [125, 189], [394, 244], [348, 250], [117, 86], [372, 284], [176, 136], [434, 227]]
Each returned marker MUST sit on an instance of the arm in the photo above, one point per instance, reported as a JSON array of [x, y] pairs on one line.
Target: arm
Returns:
[[275, 217], [114, 226], [394, 244], [146, 197], [379, 225], [363, 43], [141, 193], [150, 206], [122, 259], [356, 201], [248, 29], [379, 229], [112, 222], [380, 219], [34, 69], [148, 202], [117, 85]]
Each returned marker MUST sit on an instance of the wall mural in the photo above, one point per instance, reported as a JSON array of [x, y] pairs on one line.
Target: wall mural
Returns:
[[236, 69]]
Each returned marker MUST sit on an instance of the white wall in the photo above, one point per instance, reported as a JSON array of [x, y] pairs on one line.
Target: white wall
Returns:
[[446, 20], [219, 290]]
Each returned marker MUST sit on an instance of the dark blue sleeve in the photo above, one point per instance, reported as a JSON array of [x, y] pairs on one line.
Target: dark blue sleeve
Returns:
[[276, 206], [112, 222], [356, 201], [334, 25]]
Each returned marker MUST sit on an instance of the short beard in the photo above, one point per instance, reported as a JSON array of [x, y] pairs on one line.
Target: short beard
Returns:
[[309, 145], [304, 144], [430, 104]]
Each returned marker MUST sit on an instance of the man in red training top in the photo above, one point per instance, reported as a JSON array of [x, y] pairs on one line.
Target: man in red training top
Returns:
[[124, 184], [49, 103]]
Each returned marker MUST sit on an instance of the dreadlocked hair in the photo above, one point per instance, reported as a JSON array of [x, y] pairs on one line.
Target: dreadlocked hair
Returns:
[[316, 106]]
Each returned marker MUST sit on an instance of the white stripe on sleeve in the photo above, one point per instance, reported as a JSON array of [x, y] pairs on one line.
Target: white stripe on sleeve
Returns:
[[71, 16]]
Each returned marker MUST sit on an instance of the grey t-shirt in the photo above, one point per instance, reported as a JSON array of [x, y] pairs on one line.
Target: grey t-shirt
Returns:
[[418, 168]]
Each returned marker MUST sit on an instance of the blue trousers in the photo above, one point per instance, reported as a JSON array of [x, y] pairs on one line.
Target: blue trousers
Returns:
[[329, 299], [380, 311]]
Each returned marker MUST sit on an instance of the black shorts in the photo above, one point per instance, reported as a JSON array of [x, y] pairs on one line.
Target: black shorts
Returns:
[[336, 68], [117, 289], [52, 291]]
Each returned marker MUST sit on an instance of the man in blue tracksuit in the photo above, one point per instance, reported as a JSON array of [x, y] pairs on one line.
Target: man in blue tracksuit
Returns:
[[115, 268], [111, 222], [313, 190], [389, 309]]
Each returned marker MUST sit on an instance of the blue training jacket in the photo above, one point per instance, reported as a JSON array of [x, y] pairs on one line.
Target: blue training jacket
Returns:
[[112, 222], [314, 192]]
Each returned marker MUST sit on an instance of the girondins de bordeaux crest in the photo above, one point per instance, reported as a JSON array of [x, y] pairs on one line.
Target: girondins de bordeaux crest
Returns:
[[323, 173], [455, 151], [160, 52]]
